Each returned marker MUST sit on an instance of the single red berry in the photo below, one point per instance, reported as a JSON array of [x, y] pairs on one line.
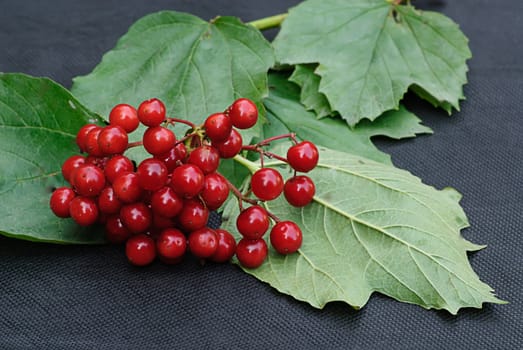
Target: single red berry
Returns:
[[226, 246], [166, 202], [193, 216], [231, 146], [251, 253], [96, 161], [217, 127], [174, 157], [137, 217], [203, 242], [187, 180], [116, 166], [81, 136], [83, 210], [151, 112], [158, 140], [115, 230], [171, 245], [215, 191], [108, 203], [299, 190], [60, 200], [253, 222], [91, 143], [127, 188], [124, 115], [140, 250], [152, 174], [303, 156], [206, 158], [88, 180], [267, 184], [243, 113], [113, 139], [70, 164], [286, 237]]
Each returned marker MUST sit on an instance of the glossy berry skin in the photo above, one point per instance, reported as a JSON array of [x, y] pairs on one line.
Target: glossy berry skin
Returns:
[[299, 190], [108, 203], [91, 143], [251, 253], [193, 216], [127, 188], [116, 166], [166, 202], [88, 180], [171, 245], [217, 127], [187, 180], [253, 222], [60, 200], [267, 184], [140, 250], [206, 158], [137, 217], [215, 191], [231, 146], [115, 231], [83, 210], [81, 136], [303, 156], [203, 242], [286, 237], [126, 116], [113, 139], [158, 140], [151, 112], [174, 157], [70, 164], [152, 174], [243, 113], [226, 247]]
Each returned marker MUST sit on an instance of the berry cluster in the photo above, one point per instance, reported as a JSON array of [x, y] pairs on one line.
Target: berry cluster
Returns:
[[160, 207]]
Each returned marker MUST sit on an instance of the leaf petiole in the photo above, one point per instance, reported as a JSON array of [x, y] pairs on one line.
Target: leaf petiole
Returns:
[[268, 22]]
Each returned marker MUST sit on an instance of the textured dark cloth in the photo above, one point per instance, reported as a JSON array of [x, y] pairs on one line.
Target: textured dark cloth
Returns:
[[76, 297]]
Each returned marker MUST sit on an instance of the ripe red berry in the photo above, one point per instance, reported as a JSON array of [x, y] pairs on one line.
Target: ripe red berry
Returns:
[[203, 242], [215, 191], [253, 222], [158, 140], [166, 202], [217, 127], [267, 184], [127, 188], [152, 174], [243, 113], [171, 245], [83, 210], [303, 156], [151, 112], [91, 143], [206, 158], [115, 231], [187, 180], [194, 215], [137, 217], [108, 203], [140, 250], [116, 166], [286, 237], [251, 253], [174, 157], [231, 146], [60, 200], [81, 136], [70, 164], [226, 247], [113, 139], [88, 180], [299, 190], [125, 116]]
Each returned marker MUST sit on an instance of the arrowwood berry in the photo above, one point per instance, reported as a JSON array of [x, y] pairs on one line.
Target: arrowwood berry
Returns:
[[152, 174], [194, 215], [60, 200], [267, 184], [215, 191], [217, 127], [115, 230], [231, 146], [140, 250], [88, 180], [243, 113], [113, 139], [116, 166], [253, 222], [166, 202], [137, 217], [226, 247], [127, 188], [251, 253], [81, 136], [91, 143], [174, 157], [286, 237], [187, 180], [206, 158], [70, 164], [171, 245], [108, 203], [158, 140], [303, 156], [151, 112], [83, 210], [203, 242], [299, 190], [124, 115]]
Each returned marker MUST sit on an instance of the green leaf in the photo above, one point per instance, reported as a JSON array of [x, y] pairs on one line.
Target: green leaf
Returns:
[[310, 96], [373, 228], [285, 114], [39, 120], [371, 51], [196, 67]]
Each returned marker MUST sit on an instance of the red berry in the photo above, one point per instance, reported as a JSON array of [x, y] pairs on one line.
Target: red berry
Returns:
[[91, 143], [243, 113], [60, 201], [113, 139], [81, 136], [152, 174], [251, 253], [303, 156], [127, 188], [161, 222], [70, 164], [166, 202], [140, 250], [83, 210], [187, 180], [174, 157], [203, 242], [215, 191], [299, 190], [151, 112], [115, 231], [171, 245], [286, 237], [116, 166], [137, 217], [125, 116], [217, 127], [267, 184], [88, 180], [253, 222], [231, 146], [194, 215], [158, 140], [226, 247], [108, 203], [206, 158]]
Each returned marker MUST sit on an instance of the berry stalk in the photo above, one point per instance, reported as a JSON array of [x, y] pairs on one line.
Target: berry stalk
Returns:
[[269, 22]]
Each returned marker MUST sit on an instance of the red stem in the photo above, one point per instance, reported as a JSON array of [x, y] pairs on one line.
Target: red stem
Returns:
[[183, 121], [134, 144]]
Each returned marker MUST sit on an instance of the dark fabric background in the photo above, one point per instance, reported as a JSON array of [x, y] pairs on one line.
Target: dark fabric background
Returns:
[[74, 297]]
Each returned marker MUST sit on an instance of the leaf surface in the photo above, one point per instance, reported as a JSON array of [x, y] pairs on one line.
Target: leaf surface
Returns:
[[310, 96]]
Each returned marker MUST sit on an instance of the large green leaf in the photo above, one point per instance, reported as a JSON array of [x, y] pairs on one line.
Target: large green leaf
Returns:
[[373, 227], [195, 67], [285, 114], [371, 51], [38, 123], [310, 95]]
